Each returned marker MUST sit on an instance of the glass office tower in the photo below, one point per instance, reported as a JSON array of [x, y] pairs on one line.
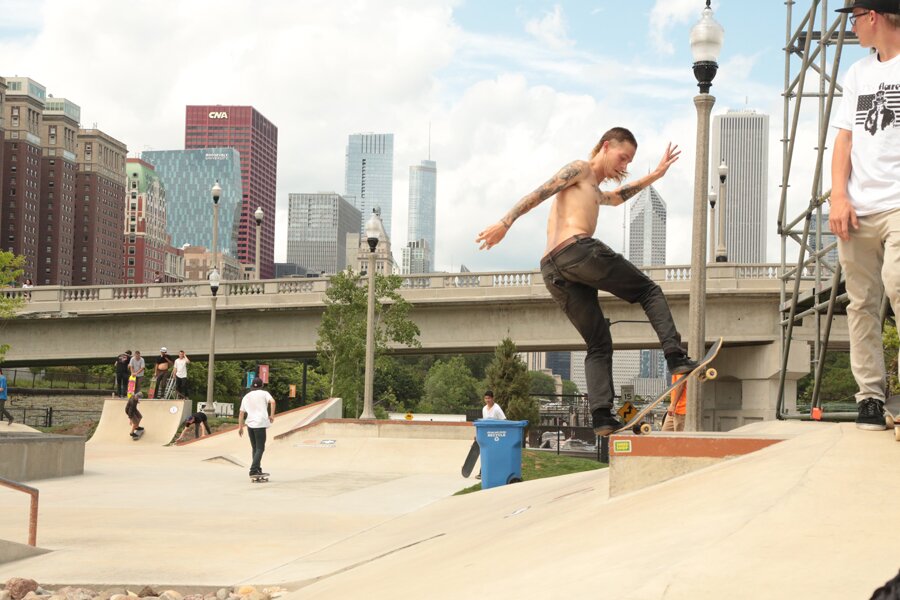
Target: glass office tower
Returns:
[[368, 176]]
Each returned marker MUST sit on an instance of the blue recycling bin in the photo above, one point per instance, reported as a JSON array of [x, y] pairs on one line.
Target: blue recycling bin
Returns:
[[500, 443]]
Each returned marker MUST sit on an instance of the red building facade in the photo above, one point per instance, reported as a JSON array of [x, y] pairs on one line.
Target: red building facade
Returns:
[[256, 138]]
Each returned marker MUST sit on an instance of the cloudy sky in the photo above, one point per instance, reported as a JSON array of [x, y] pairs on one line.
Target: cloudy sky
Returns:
[[512, 90]]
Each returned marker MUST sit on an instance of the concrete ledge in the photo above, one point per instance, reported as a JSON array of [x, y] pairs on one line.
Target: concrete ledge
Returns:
[[636, 462], [30, 456], [386, 429], [10, 551]]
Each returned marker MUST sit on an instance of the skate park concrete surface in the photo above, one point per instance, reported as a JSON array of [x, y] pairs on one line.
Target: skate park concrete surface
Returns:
[[347, 516]]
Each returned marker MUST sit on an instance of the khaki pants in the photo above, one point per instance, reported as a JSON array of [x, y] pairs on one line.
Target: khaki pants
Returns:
[[870, 260], [674, 422]]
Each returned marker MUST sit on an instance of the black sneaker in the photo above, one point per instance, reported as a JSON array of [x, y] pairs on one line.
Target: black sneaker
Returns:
[[604, 422], [871, 415], [680, 363]]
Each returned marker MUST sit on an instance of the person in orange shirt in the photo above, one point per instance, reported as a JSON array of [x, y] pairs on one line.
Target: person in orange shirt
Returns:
[[677, 412]]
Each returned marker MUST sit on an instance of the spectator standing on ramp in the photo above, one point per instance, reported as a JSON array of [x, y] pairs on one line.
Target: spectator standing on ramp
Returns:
[[575, 266], [121, 365], [134, 415], [258, 412], [181, 374], [136, 368], [161, 371], [865, 196], [4, 414]]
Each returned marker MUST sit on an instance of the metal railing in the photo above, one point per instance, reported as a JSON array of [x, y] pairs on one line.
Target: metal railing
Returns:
[[26, 378], [33, 512]]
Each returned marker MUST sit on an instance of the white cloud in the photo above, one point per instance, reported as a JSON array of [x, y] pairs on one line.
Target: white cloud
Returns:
[[551, 29]]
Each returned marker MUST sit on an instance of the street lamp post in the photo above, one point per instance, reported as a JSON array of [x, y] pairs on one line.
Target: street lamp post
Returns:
[[721, 254], [259, 217], [210, 409], [712, 223], [706, 43], [374, 231], [216, 194]]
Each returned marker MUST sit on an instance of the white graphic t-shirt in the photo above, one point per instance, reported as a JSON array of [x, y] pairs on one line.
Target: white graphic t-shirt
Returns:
[[871, 112]]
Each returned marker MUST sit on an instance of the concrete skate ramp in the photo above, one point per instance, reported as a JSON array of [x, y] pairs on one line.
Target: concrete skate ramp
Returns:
[[228, 440], [779, 523], [161, 420]]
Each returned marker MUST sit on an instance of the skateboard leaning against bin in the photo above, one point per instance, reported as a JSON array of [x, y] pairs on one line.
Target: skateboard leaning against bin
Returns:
[[471, 459], [701, 372]]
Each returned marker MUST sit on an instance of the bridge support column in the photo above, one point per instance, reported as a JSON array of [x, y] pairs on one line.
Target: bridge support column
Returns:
[[746, 390]]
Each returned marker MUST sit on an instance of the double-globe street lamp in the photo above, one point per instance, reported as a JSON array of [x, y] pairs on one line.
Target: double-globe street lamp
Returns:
[[258, 215], [214, 279], [706, 43], [374, 232], [721, 254]]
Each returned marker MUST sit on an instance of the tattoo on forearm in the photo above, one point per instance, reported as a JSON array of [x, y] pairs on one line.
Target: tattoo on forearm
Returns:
[[628, 191]]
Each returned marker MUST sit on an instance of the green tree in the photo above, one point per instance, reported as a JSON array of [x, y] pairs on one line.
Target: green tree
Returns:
[[341, 346], [542, 384], [10, 271], [449, 388], [399, 385], [508, 377], [570, 388]]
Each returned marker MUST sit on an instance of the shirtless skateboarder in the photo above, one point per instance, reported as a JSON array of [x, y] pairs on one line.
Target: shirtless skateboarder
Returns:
[[575, 266]]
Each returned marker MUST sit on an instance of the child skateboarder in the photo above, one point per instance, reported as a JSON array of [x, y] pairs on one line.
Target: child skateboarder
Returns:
[[134, 415]]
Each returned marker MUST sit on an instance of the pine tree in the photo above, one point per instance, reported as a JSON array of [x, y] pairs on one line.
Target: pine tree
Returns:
[[507, 377]]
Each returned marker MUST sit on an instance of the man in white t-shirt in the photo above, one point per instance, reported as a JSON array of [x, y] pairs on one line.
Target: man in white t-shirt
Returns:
[[258, 412], [865, 195], [181, 374], [491, 410]]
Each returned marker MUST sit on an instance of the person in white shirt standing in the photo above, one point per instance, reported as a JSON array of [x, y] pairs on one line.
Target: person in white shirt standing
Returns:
[[865, 196], [491, 410], [181, 380], [258, 412]]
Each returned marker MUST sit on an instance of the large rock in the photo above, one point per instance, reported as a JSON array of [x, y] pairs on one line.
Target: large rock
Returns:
[[18, 587]]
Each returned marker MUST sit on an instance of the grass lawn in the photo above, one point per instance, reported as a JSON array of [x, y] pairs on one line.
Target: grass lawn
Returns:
[[538, 464]]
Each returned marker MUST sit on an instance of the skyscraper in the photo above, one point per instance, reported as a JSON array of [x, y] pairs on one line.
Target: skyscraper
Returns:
[[647, 234], [59, 168], [318, 225], [188, 176], [741, 139], [256, 138], [99, 209], [422, 205], [369, 176], [146, 239], [417, 257], [20, 214]]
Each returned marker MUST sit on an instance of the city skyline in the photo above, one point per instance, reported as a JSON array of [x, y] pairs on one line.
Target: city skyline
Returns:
[[512, 93]]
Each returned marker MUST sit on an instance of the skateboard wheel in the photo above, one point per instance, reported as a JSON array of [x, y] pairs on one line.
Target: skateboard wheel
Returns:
[[711, 374], [645, 428], [637, 429]]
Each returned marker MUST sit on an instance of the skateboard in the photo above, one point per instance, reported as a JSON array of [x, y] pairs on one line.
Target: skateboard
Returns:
[[132, 381], [261, 478], [701, 372], [892, 415], [139, 433], [471, 458]]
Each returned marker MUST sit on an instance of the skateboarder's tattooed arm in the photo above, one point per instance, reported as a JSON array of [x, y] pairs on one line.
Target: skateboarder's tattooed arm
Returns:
[[566, 176]]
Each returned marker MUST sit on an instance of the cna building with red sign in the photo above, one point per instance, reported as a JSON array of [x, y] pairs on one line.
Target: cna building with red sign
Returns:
[[256, 139]]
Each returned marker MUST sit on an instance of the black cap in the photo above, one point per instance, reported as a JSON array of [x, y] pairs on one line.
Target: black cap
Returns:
[[888, 7], [257, 382]]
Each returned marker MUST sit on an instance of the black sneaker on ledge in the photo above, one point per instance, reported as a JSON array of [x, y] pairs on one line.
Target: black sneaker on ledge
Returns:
[[870, 415], [603, 422], [680, 363]]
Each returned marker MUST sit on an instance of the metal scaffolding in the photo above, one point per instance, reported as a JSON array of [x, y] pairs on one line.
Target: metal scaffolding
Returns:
[[812, 287]]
